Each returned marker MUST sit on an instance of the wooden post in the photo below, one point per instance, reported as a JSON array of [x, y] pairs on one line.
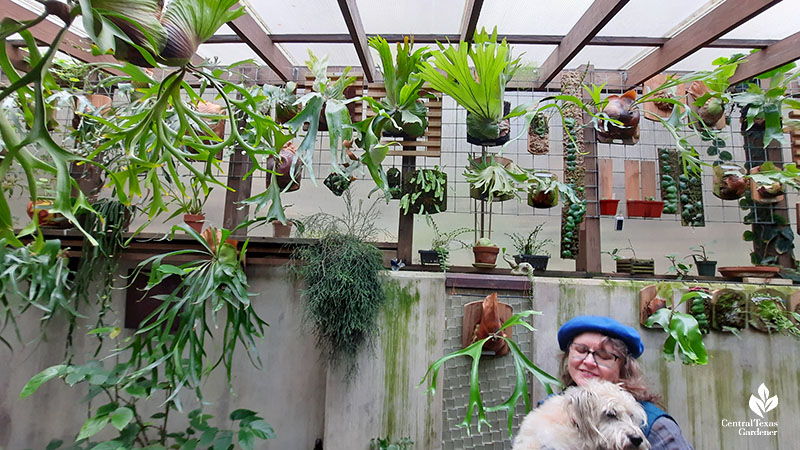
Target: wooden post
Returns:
[[238, 166], [589, 231], [405, 226]]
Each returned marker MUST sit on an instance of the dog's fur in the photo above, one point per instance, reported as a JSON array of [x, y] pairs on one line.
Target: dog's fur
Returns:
[[597, 416]]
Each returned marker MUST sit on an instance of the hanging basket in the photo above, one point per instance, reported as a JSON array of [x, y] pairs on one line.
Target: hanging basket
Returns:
[[483, 195], [729, 182], [427, 202], [539, 135], [540, 197], [503, 127], [284, 169]]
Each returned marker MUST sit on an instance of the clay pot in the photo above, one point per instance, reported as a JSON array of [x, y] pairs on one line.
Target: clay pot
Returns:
[[729, 182], [485, 255], [195, 221], [284, 167]]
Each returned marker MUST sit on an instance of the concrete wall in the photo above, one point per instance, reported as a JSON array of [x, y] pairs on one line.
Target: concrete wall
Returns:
[[303, 402]]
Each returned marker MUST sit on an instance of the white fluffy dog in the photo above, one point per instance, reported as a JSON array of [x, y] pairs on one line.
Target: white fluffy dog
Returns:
[[597, 416]]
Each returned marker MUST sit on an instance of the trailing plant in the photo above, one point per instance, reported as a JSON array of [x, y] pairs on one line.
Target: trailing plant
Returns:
[[531, 244], [683, 331], [443, 243], [540, 125], [480, 91], [700, 308], [616, 253], [521, 365], [343, 292]]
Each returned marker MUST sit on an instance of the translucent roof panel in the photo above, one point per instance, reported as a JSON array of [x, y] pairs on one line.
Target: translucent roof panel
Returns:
[[532, 54], [635, 18], [701, 59], [300, 16], [531, 16], [338, 54], [777, 22], [228, 53], [406, 17], [607, 57]]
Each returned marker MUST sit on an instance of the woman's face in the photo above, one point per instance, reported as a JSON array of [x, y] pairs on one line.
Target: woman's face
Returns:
[[584, 364]]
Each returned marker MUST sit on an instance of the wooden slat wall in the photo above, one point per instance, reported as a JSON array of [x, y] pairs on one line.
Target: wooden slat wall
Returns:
[[429, 144], [632, 185]]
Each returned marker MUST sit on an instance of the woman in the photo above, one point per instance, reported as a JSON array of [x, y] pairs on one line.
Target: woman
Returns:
[[600, 347]]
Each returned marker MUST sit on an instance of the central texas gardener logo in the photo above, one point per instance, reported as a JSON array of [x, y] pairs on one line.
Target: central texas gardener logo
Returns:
[[763, 403]]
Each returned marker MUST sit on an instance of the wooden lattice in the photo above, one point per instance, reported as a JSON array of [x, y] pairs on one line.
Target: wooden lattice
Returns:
[[794, 135], [429, 144]]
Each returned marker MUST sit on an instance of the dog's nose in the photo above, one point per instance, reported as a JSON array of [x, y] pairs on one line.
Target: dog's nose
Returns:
[[635, 440]]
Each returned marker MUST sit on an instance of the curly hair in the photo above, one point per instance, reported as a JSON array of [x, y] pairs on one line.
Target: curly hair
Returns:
[[630, 374]]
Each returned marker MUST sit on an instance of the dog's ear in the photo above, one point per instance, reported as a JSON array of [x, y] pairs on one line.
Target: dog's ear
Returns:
[[582, 409]]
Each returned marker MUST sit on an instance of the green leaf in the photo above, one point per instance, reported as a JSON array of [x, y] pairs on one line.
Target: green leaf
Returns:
[[136, 391], [240, 414], [39, 379], [262, 429], [224, 440], [246, 439], [92, 426], [121, 417], [110, 445]]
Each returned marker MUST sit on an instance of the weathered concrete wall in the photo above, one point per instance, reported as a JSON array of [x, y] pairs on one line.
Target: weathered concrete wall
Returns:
[[303, 402]]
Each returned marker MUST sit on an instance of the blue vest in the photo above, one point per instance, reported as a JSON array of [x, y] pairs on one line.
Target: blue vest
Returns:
[[653, 412]]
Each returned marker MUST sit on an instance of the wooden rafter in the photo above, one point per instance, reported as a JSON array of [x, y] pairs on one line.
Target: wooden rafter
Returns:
[[590, 23], [534, 39], [359, 38], [469, 20], [776, 55], [259, 41], [711, 26]]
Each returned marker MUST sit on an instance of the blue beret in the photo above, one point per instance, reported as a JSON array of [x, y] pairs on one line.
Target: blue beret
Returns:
[[602, 325]]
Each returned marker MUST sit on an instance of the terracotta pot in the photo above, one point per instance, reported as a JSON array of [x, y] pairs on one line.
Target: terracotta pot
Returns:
[[485, 255], [654, 208], [195, 221], [729, 182], [280, 230], [89, 178], [284, 168], [608, 206], [46, 217], [636, 208]]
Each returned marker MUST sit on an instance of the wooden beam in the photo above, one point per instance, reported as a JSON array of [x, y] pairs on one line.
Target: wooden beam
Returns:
[[706, 29], [359, 38], [533, 39], [469, 20], [257, 39], [587, 27], [775, 55]]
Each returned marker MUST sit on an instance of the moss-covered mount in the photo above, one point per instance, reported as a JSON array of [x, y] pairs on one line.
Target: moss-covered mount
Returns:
[[685, 188], [574, 169]]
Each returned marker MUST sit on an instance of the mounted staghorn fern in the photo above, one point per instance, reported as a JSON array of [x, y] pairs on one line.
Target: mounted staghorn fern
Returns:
[[521, 364]]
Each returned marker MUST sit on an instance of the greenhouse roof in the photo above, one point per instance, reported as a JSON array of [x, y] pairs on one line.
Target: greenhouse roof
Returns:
[[638, 37]]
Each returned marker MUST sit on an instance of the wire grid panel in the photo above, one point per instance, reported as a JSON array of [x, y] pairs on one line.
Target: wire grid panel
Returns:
[[497, 381]]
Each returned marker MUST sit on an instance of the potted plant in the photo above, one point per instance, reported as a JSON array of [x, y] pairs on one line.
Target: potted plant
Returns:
[[480, 90], [728, 310], [190, 203], [544, 190], [424, 191], [705, 267], [625, 115], [636, 208], [539, 134], [280, 103], [42, 206], [678, 267], [631, 265], [494, 178], [531, 249], [442, 244], [404, 443], [768, 313], [765, 190], [289, 170], [402, 80], [394, 179], [485, 252], [730, 182], [609, 206], [653, 207]]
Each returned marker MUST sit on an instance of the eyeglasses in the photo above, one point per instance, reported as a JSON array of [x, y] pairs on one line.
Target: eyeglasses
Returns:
[[601, 357]]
